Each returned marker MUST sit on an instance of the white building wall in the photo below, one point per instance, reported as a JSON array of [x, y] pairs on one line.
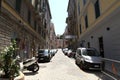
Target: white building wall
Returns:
[[111, 39]]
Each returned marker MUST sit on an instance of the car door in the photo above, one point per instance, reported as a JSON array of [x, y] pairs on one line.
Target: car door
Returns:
[[79, 55], [76, 55]]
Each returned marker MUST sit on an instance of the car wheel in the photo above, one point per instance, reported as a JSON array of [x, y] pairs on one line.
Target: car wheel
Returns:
[[82, 66], [35, 68], [48, 59], [76, 62]]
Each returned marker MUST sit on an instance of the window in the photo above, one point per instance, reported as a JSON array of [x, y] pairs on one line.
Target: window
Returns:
[[0, 3], [35, 25], [79, 51], [39, 30], [29, 16], [79, 8], [88, 52], [86, 21], [18, 5], [36, 4], [84, 2], [101, 46], [88, 44], [97, 9], [30, 1], [44, 36], [45, 25], [80, 29]]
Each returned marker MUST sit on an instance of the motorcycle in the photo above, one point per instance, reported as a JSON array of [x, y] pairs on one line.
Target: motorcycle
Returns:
[[29, 64]]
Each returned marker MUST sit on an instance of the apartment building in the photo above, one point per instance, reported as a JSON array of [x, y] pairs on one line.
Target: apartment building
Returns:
[[59, 41], [24, 21], [99, 27], [47, 22], [72, 23], [53, 37], [65, 41]]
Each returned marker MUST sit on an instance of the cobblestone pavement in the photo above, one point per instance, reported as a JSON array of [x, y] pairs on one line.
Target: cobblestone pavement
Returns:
[[61, 68]]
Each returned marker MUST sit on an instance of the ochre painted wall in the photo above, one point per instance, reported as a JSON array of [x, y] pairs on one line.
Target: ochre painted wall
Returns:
[[91, 14], [105, 4]]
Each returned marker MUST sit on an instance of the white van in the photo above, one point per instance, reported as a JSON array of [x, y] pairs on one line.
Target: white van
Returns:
[[88, 58]]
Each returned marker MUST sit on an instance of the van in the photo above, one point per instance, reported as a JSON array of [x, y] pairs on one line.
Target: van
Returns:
[[88, 58]]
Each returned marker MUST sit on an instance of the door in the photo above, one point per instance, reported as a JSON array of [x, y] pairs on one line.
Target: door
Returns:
[[101, 46], [101, 49]]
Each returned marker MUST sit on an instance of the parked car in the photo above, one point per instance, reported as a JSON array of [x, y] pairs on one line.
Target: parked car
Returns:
[[65, 51], [88, 58], [53, 52], [71, 53], [44, 55]]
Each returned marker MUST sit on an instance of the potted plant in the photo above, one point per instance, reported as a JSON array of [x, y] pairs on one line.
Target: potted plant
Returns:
[[8, 62]]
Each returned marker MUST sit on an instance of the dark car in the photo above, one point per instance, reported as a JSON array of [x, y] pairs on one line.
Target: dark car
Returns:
[[44, 55], [71, 54]]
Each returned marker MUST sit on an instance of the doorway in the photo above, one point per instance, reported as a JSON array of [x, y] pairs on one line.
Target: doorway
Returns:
[[101, 46]]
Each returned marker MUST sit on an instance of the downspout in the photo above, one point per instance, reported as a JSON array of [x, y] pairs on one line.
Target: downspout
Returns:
[[0, 5]]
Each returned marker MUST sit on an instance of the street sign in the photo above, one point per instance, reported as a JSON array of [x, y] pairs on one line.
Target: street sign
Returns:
[[70, 36]]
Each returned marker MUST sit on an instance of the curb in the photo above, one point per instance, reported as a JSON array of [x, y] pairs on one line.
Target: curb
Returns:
[[20, 77]]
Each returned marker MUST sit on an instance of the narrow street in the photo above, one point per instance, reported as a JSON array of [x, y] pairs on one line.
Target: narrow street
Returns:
[[61, 68], [28, 26]]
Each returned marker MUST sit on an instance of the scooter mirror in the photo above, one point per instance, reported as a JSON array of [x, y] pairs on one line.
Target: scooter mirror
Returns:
[[18, 57]]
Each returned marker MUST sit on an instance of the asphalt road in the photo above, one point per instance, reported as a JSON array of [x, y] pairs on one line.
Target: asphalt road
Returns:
[[61, 68]]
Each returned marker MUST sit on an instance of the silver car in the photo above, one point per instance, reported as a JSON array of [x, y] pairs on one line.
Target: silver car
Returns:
[[88, 58]]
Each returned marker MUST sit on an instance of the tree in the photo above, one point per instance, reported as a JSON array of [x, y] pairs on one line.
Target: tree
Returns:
[[9, 65]]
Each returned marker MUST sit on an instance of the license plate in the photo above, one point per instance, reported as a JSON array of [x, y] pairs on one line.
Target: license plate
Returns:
[[41, 58], [96, 66]]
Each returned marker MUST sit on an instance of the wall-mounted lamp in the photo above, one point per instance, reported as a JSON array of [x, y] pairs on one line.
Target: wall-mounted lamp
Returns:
[[107, 28], [91, 37]]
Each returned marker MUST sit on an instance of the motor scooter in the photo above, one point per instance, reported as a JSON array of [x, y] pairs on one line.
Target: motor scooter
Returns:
[[29, 64]]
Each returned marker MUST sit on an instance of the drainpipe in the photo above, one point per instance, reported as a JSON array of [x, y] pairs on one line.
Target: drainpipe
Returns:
[[0, 5]]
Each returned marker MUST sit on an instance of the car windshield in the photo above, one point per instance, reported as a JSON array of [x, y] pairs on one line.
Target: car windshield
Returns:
[[46, 51], [90, 53], [40, 51]]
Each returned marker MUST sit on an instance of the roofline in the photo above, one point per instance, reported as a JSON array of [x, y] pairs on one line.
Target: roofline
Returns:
[[49, 9], [68, 5]]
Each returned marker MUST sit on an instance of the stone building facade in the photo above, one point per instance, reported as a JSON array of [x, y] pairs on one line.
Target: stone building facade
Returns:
[[72, 24], [53, 38], [23, 20]]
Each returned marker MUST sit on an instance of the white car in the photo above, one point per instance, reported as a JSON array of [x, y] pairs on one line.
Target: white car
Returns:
[[88, 58]]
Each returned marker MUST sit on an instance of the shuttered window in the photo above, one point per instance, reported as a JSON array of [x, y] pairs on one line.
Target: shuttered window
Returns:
[[18, 5], [97, 9]]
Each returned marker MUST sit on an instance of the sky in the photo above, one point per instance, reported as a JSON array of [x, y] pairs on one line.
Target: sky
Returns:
[[59, 13]]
